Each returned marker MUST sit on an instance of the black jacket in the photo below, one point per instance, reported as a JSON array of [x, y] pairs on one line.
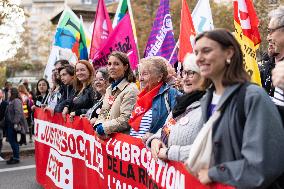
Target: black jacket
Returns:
[[3, 106], [39, 100], [83, 101], [67, 92], [267, 64]]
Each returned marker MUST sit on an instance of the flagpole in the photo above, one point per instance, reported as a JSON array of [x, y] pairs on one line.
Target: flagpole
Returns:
[[176, 46]]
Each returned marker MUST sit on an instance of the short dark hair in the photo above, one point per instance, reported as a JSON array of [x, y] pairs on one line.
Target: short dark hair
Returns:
[[129, 75], [7, 83], [62, 62], [69, 69], [235, 71]]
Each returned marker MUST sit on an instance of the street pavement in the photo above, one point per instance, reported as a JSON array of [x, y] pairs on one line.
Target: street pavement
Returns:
[[19, 176], [22, 175], [24, 149]]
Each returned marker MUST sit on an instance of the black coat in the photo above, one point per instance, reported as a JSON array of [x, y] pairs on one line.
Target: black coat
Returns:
[[40, 100], [83, 101], [67, 92], [266, 67], [3, 106]]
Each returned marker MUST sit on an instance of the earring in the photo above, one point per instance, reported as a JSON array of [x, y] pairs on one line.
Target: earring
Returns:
[[228, 61]]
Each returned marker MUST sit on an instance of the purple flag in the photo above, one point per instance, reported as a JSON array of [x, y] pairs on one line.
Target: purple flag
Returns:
[[161, 41]]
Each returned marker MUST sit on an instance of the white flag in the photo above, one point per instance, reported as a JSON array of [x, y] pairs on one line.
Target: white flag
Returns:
[[202, 16]]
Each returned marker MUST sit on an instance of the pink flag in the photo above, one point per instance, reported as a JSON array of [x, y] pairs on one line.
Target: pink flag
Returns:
[[102, 28], [121, 39]]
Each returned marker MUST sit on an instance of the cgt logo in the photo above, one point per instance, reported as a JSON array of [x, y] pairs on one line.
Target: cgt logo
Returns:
[[60, 169], [243, 15]]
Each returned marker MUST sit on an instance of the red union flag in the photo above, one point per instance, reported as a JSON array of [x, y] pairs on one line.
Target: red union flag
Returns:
[[245, 16], [102, 28], [121, 39], [246, 32], [187, 32]]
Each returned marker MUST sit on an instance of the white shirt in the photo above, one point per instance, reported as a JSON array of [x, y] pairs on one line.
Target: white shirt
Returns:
[[278, 97]]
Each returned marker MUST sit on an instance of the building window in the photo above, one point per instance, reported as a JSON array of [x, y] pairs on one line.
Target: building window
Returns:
[[88, 2], [273, 1], [110, 1]]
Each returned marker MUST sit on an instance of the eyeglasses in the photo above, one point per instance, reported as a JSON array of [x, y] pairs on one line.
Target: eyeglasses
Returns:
[[271, 30], [144, 74], [99, 79], [188, 73]]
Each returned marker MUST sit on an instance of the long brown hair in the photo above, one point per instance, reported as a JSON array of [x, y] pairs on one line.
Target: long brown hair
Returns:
[[129, 75], [235, 71], [23, 89], [78, 85], [14, 94]]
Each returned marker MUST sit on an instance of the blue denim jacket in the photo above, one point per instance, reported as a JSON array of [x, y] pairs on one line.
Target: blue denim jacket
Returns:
[[159, 107]]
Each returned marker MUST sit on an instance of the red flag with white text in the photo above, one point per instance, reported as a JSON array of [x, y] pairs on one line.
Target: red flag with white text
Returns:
[[247, 34], [245, 16]]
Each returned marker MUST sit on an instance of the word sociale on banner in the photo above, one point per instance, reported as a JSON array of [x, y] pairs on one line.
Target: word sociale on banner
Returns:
[[68, 155]]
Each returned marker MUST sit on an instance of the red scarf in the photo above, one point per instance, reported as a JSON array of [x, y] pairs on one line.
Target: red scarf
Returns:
[[143, 104]]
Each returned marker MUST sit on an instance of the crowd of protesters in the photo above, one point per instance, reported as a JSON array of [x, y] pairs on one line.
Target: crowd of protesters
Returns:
[[15, 117], [213, 119]]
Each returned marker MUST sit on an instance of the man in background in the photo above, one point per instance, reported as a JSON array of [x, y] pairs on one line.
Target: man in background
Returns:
[[8, 85], [276, 34], [3, 106]]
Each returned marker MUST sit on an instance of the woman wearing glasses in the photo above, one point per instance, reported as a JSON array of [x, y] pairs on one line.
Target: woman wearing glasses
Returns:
[[174, 140], [100, 84]]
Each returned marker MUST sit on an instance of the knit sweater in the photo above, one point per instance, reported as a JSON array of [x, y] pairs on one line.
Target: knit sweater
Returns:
[[182, 134]]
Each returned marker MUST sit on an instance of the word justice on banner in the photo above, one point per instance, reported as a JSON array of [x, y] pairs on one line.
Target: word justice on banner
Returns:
[[68, 155]]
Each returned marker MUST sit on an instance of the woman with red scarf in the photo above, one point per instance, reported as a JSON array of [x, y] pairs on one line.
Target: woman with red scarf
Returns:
[[155, 101]]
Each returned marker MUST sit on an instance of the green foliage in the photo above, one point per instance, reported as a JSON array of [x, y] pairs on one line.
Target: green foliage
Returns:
[[145, 11], [223, 17]]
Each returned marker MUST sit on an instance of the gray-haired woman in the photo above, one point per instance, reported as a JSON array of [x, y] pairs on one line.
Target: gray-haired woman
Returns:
[[174, 140], [100, 84], [155, 101]]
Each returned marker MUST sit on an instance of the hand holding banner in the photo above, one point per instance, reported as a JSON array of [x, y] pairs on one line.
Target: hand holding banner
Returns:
[[68, 155]]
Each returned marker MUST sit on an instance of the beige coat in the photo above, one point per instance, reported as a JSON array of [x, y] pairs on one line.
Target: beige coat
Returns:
[[115, 117]]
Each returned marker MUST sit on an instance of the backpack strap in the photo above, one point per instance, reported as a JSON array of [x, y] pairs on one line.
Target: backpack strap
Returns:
[[241, 94]]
